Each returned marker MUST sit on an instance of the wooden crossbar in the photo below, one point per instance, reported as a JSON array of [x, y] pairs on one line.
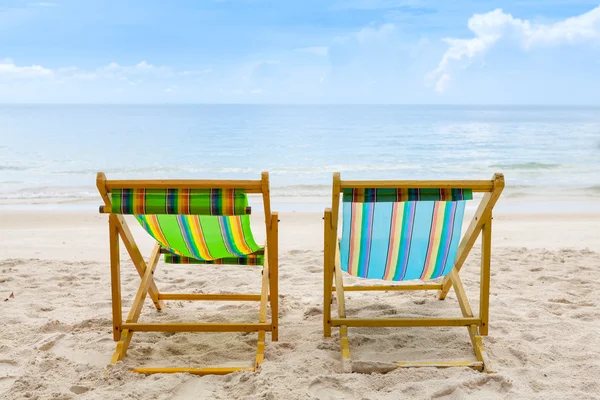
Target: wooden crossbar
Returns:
[[249, 186], [196, 327], [477, 365], [389, 287], [391, 322], [108, 210], [135, 255], [193, 371], [474, 185], [138, 301], [213, 297]]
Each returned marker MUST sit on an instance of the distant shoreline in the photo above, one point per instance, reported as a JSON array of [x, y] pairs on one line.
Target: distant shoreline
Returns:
[[536, 203]]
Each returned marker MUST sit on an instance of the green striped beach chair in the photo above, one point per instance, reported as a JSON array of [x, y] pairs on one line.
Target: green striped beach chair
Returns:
[[408, 231], [192, 222]]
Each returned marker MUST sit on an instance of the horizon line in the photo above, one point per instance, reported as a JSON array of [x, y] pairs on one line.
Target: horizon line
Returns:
[[298, 104]]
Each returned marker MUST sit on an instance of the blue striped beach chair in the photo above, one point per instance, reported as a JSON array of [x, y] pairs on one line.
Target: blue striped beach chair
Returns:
[[192, 222], [405, 231]]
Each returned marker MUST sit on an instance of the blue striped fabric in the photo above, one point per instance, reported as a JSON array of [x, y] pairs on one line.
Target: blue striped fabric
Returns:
[[400, 241]]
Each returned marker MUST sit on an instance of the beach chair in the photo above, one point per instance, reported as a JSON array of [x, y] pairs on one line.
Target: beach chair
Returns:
[[408, 230], [193, 222]]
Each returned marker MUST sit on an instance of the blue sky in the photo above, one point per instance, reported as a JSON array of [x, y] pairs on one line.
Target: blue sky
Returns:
[[310, 51]]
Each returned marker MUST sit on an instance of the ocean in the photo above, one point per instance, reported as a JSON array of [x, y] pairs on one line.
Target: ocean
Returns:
[[49, 154]]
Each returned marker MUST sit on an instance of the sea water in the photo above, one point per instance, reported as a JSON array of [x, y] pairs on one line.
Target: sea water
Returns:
[[51, 153]]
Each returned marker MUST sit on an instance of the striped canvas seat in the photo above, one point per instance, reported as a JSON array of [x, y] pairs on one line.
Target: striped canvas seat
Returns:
[[399, 235], [196, 226], [204, 239]]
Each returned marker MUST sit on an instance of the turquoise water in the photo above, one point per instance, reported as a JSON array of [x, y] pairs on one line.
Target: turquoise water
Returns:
[[51, 153]]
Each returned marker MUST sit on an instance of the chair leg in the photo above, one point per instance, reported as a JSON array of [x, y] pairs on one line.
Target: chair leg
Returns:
[[327, 275], [341, 302], [484, 303], [122, 346], [262, 316], [465, 307], [479, 349], [115, 279], [339, 285], [274, 275]]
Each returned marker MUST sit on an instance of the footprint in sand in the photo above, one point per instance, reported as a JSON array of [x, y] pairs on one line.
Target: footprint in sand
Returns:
[[328, 388], [48, 341], [86, 349], [8, 373], [488, 387], [298, 251], [312, 311], [79, 389], [7, 365]]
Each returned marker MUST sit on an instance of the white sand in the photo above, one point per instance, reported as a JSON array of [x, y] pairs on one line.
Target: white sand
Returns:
[[56, 342]]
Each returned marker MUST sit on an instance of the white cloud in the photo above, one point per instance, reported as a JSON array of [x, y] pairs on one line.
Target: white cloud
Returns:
[[85, 76], [572, 30], [368, 34], [66, 70], [442, 83], [113, 73], [114, 70], [490, 27], [320, 51], [9, 69], [130, 73]]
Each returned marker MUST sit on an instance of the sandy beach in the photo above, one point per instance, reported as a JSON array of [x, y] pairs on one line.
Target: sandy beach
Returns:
[[56, 343], [433, 98]]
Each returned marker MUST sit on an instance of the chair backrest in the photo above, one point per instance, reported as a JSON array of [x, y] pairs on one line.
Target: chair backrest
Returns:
[[401, 234], [222, 202], [202, 219], [402, 230]]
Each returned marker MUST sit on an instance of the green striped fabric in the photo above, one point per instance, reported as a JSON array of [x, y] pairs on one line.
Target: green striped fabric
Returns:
[[204, 237], [225, 202], [251, 259]]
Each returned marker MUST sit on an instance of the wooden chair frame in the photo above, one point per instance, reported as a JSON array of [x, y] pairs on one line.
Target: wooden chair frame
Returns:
[[477, 326], [123, 330]]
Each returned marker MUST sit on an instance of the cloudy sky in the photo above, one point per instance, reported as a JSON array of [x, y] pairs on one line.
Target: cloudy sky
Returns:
[[309, 51]]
